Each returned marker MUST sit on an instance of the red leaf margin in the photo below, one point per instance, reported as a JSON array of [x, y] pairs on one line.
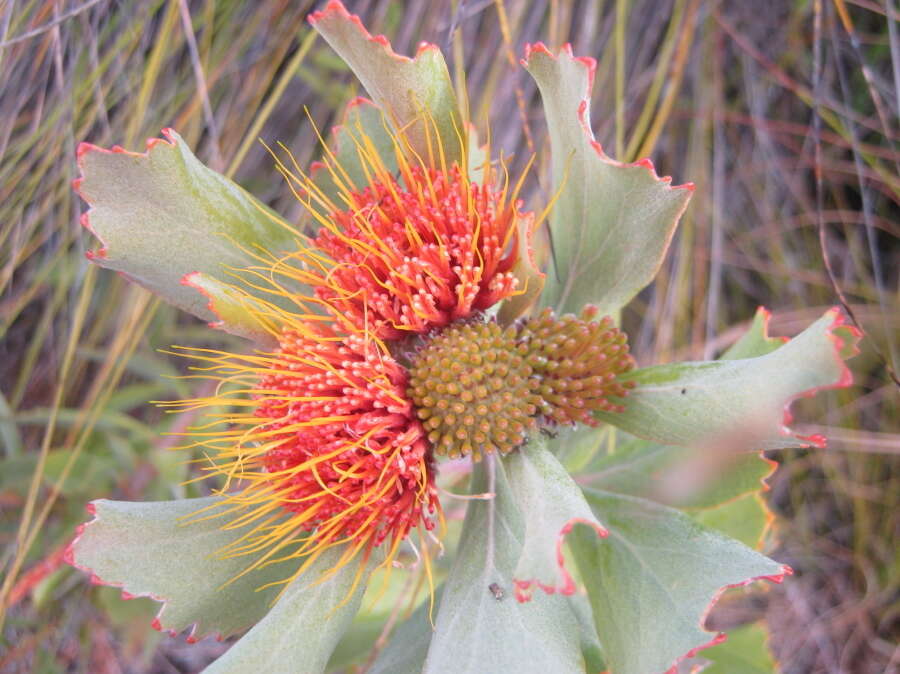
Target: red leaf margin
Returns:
[[156, 623], [190, 280], [591, 65], [524, 588], [721, 637], [844, 380], [336, 8]]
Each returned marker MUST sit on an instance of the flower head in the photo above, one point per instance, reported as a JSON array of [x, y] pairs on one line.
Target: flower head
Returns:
[[330, 453], [419, 251], [345, 448]]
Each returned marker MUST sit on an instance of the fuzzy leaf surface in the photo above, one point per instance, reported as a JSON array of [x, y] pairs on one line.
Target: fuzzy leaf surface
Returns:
[[300, 632], [475, 631], [653, 580], [678, 476], [405, 653], [551, 504], [146, 549], [740, 404], [409, 89], [162, 214], [613, 222]]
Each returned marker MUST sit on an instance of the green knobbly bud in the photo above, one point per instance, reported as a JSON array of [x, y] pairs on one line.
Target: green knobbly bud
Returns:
[[479, 388]]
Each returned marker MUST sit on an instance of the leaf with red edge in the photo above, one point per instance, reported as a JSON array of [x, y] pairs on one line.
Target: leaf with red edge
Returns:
[[480, 627], [652, 582], [149, 551], [162, 214], [551, 505], [612, 223], [409, 89], [685, 477], [756, 341], [738, 404]]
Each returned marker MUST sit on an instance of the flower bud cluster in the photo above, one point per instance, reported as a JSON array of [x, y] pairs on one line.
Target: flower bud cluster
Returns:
[[479, 388]]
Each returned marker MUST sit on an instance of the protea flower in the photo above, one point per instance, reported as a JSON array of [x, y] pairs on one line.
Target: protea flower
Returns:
[[404, 322]]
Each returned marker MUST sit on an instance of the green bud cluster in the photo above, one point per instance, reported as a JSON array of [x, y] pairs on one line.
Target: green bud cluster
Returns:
[[474, 390], [479, 388], [578, 362]]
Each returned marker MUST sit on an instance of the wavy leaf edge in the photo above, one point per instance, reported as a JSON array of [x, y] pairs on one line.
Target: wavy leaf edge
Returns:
[[842, 345], [337, 8], [170, 137], [721, 637], [591, 65], [524, 587], [157, 623]]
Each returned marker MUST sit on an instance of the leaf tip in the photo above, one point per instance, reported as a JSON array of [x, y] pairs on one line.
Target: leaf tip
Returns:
[[844, 339], [765, 317], [85, 149], [532, 48], [335, 10], [425, 47]]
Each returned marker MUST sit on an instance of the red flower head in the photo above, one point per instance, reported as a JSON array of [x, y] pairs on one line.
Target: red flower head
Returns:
[[413, 249], [346, 452], [419, 252], [331, 452]]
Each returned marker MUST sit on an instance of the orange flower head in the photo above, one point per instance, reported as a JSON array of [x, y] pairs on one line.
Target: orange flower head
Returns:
[[435, 252], [347, 454], [329, 452], [406, 244]]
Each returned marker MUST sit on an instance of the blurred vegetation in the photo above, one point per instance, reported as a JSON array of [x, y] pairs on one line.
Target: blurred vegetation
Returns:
[[784, 113]]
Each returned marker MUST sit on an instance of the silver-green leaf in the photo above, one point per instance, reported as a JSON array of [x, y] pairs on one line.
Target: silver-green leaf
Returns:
[[161, 215], [612, 223], [480, 626], [739, 404], [653, 580]]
